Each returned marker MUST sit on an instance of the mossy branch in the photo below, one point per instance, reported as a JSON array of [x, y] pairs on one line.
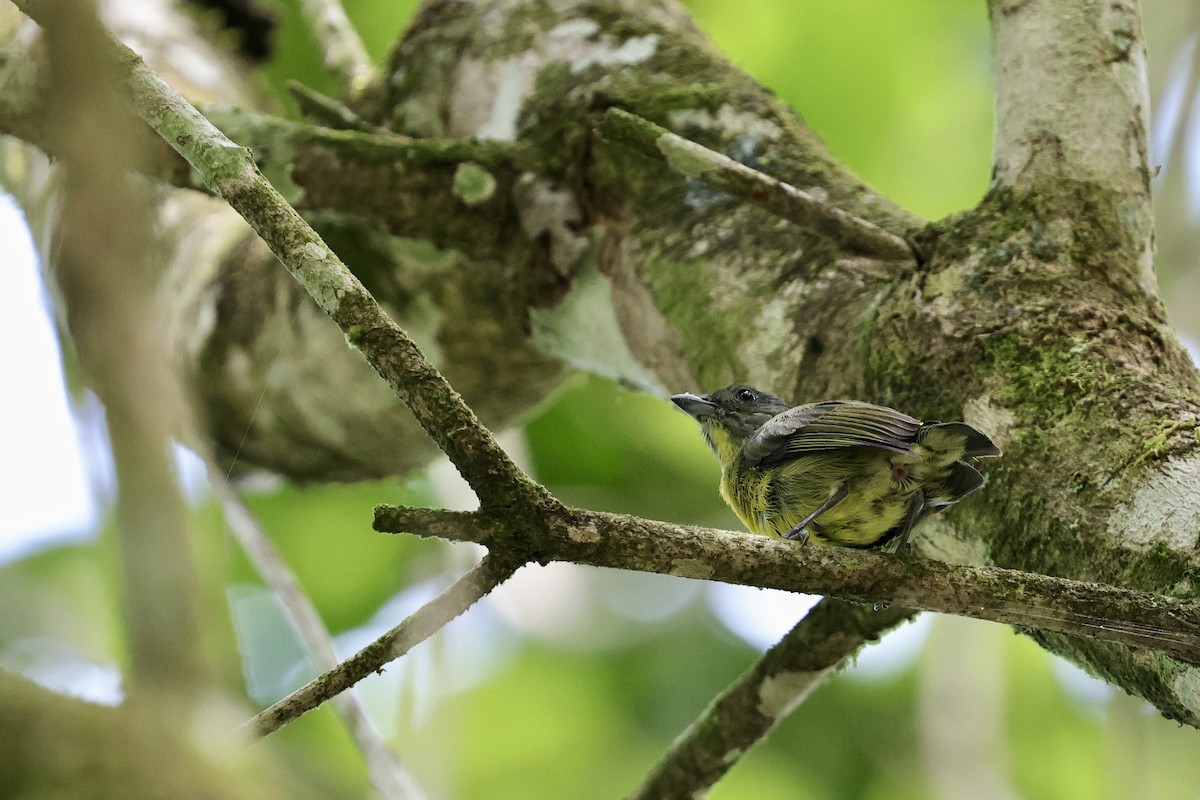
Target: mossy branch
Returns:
[[1107, 613], [721, 172], [375, 146], [389, 777], [324, 110], [749, 708], [419, 626], [229, 171]]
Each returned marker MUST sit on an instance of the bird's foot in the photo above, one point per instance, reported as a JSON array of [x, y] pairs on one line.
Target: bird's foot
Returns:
[[798, 534]]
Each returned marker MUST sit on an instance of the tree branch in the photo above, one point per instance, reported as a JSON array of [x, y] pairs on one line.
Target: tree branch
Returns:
[[1090, 120], [229, 171], [105, 272], [341, 48], [750, 708], [388, 775], [419, 626], [324, 110], [1106, 613], [694, 160]]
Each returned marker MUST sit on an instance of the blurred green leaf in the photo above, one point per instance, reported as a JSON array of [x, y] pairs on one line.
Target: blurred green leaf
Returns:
[[604, 447], [900, 91]]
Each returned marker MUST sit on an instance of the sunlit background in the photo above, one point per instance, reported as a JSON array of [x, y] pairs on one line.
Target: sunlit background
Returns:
[[571, 681]]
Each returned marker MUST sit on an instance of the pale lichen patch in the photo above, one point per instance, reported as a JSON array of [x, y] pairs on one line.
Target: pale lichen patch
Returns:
[[730, 121], [574, 43], [944, 289], [685, 157], [488, 96], [473, 184], [575, 29], [1163, 510], [781, 693], [583, 330], [314, 250], [1186, 686], [690, 568], [731, 756], [938, 539], [588, 534], [546, 209], [997, 422], [773, 344], [326, 284]]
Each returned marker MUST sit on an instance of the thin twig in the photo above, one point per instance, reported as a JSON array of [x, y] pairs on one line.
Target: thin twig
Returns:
[[324, 110], [375, 145], [229, 170], [341, 48], [693, 160], [1107, 613], [419, 626], [388, 775], [742, 715]]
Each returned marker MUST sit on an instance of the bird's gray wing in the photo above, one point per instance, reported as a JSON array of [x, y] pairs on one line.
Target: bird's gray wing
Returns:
[[829, 425]]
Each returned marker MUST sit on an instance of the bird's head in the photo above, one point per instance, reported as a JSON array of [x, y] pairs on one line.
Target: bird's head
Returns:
[[731, 415]]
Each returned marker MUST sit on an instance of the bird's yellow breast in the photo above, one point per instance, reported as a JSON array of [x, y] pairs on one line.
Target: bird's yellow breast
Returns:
[[771, 501]]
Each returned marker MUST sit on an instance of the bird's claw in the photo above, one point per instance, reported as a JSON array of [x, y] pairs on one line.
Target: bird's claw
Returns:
[[798, 535]]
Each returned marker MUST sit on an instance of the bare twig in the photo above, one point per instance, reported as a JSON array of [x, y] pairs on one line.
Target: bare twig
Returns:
[[693, 160], [419, 626], [373, 145], [1106, 613], [341, 48], [388, 774], [324, 110], [741, 716]]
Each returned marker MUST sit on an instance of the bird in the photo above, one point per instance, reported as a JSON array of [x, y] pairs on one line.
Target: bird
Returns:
[[840, 471]]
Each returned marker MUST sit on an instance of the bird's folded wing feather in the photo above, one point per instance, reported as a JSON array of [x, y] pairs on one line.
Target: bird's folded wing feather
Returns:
[[829, 425]]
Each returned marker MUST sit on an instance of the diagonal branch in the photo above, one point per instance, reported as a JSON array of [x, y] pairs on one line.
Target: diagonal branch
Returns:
[[229, 171], [388, 774], [324, 110], [694, 160], [419, 626], [1106, 613], [341, 48], [750, 708]]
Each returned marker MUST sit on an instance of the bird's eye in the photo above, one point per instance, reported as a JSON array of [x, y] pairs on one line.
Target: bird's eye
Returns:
[[745, 396]]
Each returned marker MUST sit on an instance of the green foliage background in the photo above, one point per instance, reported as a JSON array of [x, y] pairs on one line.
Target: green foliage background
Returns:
[[577, 691]]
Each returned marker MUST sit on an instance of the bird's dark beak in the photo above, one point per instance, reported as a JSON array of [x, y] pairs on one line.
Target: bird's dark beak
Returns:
[[695, 405]]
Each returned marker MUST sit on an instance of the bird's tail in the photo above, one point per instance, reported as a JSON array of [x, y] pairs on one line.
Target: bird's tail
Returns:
[[956, 483], [955, 440]]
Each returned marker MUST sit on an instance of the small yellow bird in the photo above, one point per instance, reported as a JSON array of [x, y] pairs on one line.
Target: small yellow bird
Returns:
[[849, 473]]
